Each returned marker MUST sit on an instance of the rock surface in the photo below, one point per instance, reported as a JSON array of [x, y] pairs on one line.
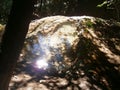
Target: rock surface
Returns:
[[69, 53], [57, 39]]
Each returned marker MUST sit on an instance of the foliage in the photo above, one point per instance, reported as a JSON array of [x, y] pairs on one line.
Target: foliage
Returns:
[[57, 7], [108, 9], [45, 8], [66, 7], [113, 6], [5, 6]]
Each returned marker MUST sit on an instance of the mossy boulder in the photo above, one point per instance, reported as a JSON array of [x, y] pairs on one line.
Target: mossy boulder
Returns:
[[81, 48], [64, 40], [84, 50]]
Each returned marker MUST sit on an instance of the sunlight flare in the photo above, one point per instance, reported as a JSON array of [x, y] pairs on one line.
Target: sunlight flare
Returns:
[[41, 64]]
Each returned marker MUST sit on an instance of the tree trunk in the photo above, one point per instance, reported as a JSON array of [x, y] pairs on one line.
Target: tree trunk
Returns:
[[13, 38]]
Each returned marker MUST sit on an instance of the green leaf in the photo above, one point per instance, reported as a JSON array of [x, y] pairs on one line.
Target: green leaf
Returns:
[[102, 4]]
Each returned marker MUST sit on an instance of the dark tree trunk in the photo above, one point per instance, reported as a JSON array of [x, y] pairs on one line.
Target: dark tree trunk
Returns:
[[13, 38]]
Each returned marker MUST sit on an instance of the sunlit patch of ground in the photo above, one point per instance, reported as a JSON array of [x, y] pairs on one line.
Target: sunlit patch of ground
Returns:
[[25, 82]]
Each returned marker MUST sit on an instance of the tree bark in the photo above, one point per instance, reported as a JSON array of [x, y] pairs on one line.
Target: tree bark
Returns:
[[13, 38]]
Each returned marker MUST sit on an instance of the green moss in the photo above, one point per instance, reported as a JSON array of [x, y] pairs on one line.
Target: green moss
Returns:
[[89, 24], [75, 33]]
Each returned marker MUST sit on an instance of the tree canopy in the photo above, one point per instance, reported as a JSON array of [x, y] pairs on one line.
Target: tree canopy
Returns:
[[109, 9]]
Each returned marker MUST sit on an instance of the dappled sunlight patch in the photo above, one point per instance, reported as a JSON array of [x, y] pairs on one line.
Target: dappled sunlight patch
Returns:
[[33, 86], [61, 82], [83, 83], [113, 58], [55, 81], [19, 80], [21, 77]]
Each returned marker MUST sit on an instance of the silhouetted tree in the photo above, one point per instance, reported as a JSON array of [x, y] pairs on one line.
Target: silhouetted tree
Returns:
[[13, 38]]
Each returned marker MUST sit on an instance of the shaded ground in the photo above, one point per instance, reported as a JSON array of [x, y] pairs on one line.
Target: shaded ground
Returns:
[[96, 63]]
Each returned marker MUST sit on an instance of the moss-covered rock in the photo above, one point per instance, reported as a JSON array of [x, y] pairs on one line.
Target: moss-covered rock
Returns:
[[84, 50]]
